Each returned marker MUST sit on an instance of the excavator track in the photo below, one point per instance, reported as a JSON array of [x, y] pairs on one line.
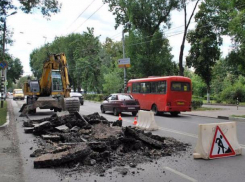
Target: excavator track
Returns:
[[72, 104]]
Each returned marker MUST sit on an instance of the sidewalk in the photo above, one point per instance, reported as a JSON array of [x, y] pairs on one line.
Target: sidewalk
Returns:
[[225, 113]]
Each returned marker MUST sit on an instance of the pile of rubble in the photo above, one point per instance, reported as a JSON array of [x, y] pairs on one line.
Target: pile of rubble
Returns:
[[93, 142]]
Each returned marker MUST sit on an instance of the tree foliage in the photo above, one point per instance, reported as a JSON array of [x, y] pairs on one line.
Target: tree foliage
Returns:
[[82, 52], [14, 69], [149, 57], [205, 44], [145, 15], [47, 7]]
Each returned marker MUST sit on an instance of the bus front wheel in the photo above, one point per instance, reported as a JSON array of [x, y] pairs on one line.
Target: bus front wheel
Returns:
[[154, 109]]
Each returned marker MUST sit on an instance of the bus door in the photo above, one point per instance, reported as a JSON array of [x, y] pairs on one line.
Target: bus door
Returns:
[[158, 90], [145, 90]]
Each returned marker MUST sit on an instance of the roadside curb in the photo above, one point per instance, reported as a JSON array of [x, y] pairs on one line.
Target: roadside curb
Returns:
[[221, 117], [237, 119], [198, 115], [7, 121]]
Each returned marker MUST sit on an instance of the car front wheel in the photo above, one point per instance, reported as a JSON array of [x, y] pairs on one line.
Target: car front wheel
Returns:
[[134, 113], [102, 109], [115, 112]]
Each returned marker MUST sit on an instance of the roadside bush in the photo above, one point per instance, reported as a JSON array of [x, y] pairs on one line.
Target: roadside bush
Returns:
[[94, 97], [196, 103], [230, 94], [218, 99]]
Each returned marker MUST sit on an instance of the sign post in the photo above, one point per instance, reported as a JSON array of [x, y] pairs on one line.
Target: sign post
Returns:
[[3, 66], [124, 63]]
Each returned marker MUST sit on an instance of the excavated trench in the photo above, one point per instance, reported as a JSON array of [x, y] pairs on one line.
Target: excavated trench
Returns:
[[91, 143]]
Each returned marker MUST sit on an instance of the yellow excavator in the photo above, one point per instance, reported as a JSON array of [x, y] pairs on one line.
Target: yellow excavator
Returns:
[[52, 91]]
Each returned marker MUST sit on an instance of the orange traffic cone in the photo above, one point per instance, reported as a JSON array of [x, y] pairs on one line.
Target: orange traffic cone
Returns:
[[135, 121], [120, 118]]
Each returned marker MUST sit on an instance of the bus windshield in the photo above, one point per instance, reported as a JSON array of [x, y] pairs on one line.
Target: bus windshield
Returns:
[[180, 86]]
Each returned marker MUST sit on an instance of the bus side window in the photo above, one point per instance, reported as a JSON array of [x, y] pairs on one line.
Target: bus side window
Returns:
[[147, 87], [129, 90], [135, 87], [162, 87], [154, 87], [142, 88]]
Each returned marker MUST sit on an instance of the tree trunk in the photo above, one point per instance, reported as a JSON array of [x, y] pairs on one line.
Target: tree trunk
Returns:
[[182, 47], [208, 94], [181, 69]]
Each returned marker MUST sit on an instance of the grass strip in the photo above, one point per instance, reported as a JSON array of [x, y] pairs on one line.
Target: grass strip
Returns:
[[3, 113], [206, 109], [238, 116]]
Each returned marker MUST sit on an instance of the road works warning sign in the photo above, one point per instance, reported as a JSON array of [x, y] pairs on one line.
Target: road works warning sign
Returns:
[[220, 146]]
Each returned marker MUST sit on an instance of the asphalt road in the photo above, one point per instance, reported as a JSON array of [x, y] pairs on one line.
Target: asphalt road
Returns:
[[173, 168]]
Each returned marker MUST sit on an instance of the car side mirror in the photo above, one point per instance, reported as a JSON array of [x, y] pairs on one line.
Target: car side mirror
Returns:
[[105, 98]]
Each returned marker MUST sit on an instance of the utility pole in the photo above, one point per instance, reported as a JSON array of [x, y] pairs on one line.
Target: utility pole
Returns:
[[4, 71], [128, 25], [124, 69]]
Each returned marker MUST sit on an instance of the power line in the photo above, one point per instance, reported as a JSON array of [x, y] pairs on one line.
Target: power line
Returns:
[[89, 17], [81, 13]]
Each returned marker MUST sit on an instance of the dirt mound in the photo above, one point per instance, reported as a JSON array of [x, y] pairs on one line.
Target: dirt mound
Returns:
[[92, 143]]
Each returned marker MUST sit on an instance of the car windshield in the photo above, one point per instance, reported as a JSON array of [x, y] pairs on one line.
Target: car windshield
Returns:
[[19, 92], [125, 97], [75, 94]]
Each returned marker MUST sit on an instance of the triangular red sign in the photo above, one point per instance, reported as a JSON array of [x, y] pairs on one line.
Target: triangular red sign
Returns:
[[220, 146]]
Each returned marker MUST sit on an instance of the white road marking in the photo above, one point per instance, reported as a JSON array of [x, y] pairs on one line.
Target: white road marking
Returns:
[[186, 134], [181, 174], [179, 132], [243, 146]]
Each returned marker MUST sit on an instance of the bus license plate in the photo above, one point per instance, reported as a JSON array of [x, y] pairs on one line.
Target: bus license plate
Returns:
[[180, 103], [131, 108]]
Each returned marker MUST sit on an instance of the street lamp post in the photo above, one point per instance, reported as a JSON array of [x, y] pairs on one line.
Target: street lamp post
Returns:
[[4, 71]]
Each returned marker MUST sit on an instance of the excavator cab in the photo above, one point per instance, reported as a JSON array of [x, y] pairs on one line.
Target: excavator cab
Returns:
[[57, 85]]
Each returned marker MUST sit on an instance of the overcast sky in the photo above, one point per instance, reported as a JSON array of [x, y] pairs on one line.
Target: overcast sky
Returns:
[[30, 30]]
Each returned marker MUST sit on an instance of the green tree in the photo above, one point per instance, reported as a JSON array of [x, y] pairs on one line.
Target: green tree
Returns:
[[14, 70], [88, 62], [22, 80], [113, 83], [37, 57], [146, 43], [112, 75], [149, 58], [205, 44], [198, 86], [145, 15], [47, 7], [230, 21], [234, 91]]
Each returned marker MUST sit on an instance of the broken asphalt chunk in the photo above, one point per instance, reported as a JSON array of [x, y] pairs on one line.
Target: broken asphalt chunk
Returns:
[[42, 126], [77, 153]]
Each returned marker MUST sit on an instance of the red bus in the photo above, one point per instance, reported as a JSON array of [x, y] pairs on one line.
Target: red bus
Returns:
[[162, 94]]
